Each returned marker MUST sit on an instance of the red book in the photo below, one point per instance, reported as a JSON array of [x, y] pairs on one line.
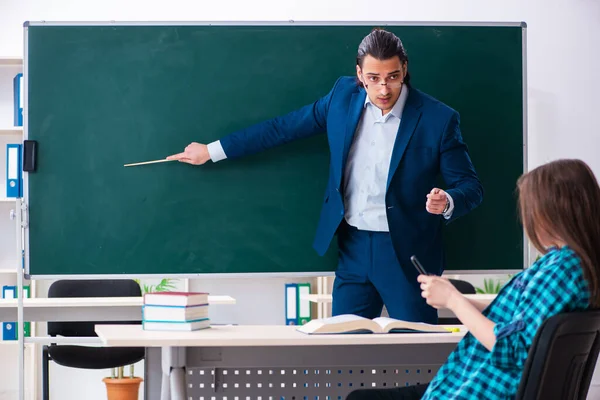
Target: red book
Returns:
[[177, 299]]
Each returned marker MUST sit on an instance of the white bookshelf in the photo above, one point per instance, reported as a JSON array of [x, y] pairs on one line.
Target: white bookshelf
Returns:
[[8, 265], [8, 271], [13, 130], [15, 343], [9, 67], [11, 61]]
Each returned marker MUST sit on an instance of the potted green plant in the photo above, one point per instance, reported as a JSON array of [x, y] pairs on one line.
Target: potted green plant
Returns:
[[118, 386]]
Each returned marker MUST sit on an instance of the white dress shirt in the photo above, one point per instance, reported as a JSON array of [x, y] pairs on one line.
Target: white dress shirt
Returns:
[[366, 170]]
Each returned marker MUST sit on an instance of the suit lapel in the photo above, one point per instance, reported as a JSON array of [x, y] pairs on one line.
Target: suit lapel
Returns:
[[354, 112], [410, 118]]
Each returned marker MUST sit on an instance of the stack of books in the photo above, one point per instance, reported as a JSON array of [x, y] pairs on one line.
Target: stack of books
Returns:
[[175, 311]]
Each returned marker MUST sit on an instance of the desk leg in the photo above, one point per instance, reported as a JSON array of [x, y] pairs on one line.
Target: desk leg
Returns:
[[165, 388], [173, 373], [178, 383], [152, 373]]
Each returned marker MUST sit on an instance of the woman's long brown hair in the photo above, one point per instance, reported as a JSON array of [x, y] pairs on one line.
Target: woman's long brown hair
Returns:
[[561, 200]]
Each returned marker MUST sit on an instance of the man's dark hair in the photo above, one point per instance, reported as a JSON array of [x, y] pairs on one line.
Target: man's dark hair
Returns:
[[382, 45]]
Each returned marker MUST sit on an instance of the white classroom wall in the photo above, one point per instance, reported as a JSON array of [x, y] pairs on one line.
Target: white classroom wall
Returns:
[[563, 87]]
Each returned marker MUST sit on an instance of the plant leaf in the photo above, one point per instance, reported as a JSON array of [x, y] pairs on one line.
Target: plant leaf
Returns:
[[487, 285]]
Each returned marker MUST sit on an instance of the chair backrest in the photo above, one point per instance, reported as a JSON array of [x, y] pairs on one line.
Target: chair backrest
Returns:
[[463, 286], [562, 357], [90, 288]]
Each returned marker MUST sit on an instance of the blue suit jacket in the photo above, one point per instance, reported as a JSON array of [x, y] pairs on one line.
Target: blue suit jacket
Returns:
[[428, 143]]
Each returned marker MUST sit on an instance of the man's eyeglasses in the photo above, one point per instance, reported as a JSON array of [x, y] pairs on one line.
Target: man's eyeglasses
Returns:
[[392, 81]]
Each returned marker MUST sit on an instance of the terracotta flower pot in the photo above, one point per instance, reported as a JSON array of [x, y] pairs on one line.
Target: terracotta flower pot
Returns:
[[122, 388]]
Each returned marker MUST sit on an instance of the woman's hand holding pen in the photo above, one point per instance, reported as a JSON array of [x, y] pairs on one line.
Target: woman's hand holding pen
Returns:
[[439, 292]]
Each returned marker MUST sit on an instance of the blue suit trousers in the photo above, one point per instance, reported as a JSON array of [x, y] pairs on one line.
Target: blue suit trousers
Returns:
[[369, 275]]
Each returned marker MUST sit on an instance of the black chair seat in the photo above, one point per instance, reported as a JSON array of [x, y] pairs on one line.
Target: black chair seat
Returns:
[[95, 357]]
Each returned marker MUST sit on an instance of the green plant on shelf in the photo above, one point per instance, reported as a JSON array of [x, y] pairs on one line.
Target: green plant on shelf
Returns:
[[491, 286], [165, 285]]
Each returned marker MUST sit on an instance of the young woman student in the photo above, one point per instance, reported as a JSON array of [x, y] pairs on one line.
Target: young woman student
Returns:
[[560, 210]]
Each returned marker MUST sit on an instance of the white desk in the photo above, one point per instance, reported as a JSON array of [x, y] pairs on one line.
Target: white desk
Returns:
[[278, 361], [83, 308], [255, 335]]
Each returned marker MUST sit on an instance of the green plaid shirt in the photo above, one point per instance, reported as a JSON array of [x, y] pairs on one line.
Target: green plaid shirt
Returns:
[[554, 284]]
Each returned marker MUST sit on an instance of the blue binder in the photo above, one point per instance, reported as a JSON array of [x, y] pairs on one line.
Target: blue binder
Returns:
[[18, 98], [14, 179], [9, 331]]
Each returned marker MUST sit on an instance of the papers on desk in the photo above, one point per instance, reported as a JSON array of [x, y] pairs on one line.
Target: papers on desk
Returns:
[[175, 311]]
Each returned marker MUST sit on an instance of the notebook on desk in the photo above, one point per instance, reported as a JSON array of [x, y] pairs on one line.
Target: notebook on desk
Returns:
[[349, 323]]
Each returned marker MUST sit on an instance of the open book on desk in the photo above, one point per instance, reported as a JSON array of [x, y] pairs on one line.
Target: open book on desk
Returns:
[[349, 323]]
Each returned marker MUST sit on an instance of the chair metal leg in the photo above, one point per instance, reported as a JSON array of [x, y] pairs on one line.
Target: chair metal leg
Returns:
[[45, 381]]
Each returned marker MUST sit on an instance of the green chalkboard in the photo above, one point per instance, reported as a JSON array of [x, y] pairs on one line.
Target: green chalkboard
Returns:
[[100, 96]]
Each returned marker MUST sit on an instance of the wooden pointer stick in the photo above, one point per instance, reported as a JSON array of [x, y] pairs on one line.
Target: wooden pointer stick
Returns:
[[148, 162]]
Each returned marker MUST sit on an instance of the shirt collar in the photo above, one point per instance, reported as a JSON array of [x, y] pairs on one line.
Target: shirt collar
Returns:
[[398, 107]]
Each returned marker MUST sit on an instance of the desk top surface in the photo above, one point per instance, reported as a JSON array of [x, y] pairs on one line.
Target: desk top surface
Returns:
[[96, 301], [257, 335]]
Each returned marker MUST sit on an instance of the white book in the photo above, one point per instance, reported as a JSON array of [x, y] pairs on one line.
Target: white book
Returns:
[[174, 313], [349, 323], [176, 326]]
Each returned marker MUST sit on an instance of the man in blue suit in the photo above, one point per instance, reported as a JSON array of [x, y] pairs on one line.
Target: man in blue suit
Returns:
[[389, 143]]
